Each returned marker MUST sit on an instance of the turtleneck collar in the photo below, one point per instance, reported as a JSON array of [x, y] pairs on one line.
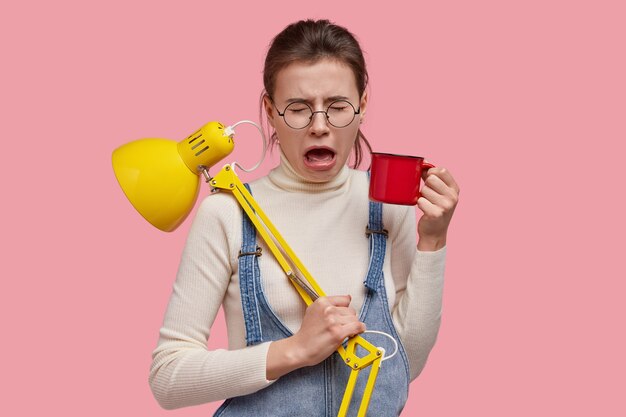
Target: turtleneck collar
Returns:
[[286, 178]]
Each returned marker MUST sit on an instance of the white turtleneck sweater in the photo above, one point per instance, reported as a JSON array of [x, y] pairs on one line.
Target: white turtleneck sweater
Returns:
[[324, 223]]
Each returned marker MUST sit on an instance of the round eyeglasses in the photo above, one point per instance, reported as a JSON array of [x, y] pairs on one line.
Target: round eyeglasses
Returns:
[[298, 115]]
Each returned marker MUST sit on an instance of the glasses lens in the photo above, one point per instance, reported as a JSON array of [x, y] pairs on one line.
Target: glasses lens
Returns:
[[341, 113], [298, 115]]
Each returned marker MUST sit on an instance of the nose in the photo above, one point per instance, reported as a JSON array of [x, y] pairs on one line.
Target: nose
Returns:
[[319, 125]]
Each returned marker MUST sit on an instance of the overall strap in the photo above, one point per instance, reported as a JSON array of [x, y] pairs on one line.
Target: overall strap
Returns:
[[378, 244], [249, 275]]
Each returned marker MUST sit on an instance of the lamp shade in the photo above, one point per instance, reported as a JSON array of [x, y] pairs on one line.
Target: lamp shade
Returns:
[[157, 181], [160, 177]]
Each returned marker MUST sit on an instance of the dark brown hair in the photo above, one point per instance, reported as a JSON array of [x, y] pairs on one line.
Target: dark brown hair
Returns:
[[309, 41]]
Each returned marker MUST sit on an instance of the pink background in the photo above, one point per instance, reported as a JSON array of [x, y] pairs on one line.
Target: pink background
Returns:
[[523, 101]]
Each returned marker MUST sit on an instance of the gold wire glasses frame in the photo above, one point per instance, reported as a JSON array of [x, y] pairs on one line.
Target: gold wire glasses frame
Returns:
[[298, 115]]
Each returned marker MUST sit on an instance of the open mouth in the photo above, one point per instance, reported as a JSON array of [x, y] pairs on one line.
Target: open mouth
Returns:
[[319, 158]]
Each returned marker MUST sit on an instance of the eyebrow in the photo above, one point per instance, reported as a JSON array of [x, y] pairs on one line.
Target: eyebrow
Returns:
[[326, 100]]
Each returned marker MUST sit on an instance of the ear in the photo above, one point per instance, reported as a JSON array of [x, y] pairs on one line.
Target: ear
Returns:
[[269, 109], [363, 105]]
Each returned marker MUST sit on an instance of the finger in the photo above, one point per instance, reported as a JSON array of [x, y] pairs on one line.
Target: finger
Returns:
[[345, 320], [446, 202], [444, 175], [339, 311], [355, 328], [428, 208], [437, 184], [339, 300], [434, 197], [345, 311]]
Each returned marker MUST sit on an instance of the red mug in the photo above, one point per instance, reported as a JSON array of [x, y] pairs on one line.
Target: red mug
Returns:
[[395, 179]]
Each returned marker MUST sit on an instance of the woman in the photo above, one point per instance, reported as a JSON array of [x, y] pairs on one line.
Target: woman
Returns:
[[280, 359]]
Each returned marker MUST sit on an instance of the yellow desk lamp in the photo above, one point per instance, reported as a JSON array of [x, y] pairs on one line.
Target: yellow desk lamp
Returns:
[[161, 179]]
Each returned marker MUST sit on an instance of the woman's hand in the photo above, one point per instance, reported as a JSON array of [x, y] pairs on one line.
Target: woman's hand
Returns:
[[440, 196], [327, 322]]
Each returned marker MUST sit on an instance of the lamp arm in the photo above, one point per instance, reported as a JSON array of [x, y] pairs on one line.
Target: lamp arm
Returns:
[[308, 294], [306, 285], [307, 282]]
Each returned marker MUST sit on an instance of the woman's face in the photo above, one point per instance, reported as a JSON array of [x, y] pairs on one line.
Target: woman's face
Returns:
[[318, 151]]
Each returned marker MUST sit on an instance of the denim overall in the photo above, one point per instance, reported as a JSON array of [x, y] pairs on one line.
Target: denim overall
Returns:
[[317, 391]]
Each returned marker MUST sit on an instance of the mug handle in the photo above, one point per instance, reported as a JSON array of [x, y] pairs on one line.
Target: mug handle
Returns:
[[425, 167]]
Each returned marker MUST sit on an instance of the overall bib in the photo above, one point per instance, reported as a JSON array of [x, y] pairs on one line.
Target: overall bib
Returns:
[[317, 391]]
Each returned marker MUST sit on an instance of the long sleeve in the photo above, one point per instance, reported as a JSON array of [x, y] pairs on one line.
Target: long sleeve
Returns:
[[418, 279], [184, 372]]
